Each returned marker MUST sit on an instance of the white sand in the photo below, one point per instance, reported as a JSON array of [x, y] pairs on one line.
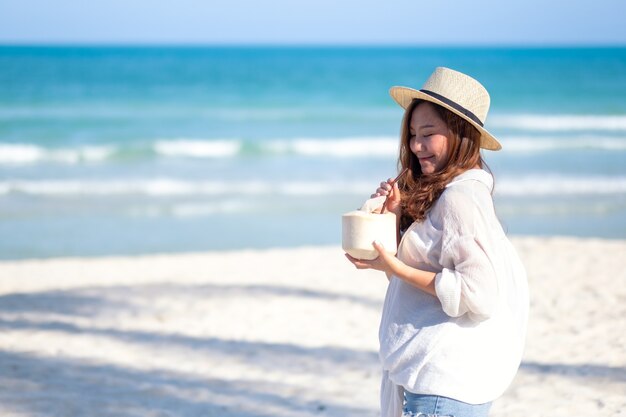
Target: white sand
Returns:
[[279, 333]]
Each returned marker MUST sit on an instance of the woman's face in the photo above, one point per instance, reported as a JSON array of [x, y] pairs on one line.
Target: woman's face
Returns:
[[429, 138]]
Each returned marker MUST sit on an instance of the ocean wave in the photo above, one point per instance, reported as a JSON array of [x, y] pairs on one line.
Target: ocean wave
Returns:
[[352, 147], [169, 187], [558, 123], [18, 154], [338, 147], [362, 147], [165, 187], [382, 147], [190, 210], [197, 148], [555, 185], [322, 114], [534, 144]]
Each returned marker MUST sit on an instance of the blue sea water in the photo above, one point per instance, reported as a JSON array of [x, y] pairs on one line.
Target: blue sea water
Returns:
[[126, 150]]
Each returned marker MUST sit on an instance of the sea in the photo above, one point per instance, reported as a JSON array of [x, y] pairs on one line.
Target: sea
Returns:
[[134, 150]]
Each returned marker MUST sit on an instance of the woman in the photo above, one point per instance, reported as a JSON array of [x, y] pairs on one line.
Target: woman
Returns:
[[455, 313]]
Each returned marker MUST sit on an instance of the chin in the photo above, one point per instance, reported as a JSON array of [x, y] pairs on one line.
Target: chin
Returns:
[[427, 170]]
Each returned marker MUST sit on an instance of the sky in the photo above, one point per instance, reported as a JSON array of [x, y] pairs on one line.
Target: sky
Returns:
[[334, 22]]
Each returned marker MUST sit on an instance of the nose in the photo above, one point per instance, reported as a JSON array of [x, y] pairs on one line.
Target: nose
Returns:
[[415, 145]]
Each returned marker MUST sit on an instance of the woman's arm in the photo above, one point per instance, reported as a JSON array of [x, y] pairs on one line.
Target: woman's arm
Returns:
[[468, 281]]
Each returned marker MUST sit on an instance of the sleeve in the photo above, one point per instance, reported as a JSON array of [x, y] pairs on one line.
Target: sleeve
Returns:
[[467, 283]]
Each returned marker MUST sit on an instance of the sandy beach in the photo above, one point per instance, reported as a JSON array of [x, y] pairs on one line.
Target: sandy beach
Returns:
[[281, 332]]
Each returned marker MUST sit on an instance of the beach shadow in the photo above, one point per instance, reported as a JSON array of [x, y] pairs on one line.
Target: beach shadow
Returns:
[[54, 386], [264, 355], [585, 371], [282, 291], [50, 385], [207, 291], [46, 311], [81, 303], [88, 301]]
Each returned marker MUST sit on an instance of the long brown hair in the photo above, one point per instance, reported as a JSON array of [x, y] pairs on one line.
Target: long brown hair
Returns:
[[420, 192]]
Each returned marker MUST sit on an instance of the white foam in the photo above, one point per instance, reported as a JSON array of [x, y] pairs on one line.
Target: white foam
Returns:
[[320, 188], [564, 122], [22, 154], [163, 187], [201, 210], [553, 185], [338, 147], [343, 147], [534, 144], [191, 210], [198, 148], [97, 153]]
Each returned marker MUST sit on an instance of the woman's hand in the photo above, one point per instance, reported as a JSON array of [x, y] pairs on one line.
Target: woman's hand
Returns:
[[385, 261], [390, 265], [392, 192]]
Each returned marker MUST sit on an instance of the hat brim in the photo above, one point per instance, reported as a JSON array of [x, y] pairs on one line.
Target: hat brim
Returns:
[[405, 95]]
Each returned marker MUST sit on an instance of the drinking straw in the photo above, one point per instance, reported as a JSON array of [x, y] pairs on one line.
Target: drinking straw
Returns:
[[392, 183]]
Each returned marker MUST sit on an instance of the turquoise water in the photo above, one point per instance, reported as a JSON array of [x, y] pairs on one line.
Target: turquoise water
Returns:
[[134, 150]]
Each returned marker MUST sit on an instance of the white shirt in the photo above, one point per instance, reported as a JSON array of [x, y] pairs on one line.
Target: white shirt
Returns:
[[466, 343]]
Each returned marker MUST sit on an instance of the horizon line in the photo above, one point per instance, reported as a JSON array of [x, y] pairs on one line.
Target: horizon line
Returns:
[[305, 45]]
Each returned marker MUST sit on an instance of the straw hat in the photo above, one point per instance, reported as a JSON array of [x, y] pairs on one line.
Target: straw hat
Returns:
[[458, 93]]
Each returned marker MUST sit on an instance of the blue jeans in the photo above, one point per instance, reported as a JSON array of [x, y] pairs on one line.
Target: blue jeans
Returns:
[[419, 405]]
